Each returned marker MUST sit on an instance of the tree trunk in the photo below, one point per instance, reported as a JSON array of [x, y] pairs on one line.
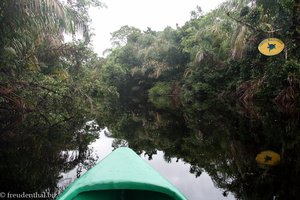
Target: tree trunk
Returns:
[[296, 25]]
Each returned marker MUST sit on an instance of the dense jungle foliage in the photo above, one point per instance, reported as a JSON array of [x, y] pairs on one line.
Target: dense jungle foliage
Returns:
[[213, 55], [187, 91], [45, 92]]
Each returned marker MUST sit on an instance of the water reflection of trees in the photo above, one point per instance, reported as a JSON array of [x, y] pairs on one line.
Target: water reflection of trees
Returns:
[[34, 154], [223, 140]]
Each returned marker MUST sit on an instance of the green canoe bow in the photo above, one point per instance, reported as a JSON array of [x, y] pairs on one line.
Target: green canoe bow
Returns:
[[121, 175]]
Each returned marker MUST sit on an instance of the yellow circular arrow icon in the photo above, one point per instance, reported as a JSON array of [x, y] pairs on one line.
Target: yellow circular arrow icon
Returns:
[[271, 46], [268, 158]]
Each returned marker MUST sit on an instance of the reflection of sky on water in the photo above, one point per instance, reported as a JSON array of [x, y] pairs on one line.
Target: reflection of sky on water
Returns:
[[176, 172]]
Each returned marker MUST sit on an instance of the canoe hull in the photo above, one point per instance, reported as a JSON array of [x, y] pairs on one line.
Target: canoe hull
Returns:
[[121, 175], [122, 194]]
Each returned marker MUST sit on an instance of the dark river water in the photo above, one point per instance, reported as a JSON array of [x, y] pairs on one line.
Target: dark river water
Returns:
[[212, 150], [176, 171]]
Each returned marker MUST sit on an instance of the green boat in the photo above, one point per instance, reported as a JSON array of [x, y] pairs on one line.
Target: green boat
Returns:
[[121, 175]]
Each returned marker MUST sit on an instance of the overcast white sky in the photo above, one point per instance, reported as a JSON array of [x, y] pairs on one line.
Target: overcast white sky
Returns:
[[156, 14]]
